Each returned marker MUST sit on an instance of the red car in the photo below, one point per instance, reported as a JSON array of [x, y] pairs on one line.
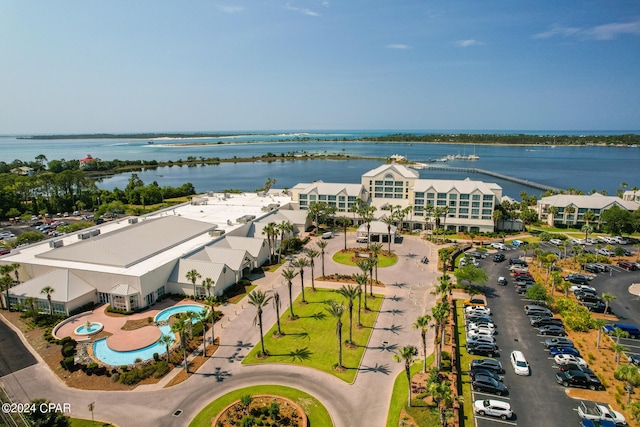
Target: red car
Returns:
[[627, 265], [4, 251]]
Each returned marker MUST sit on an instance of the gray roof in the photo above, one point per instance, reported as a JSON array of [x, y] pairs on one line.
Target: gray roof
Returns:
[[205, 268], [332, 188], [593, 201], [402, 170], [465, 186], [130, 245], [253, 245], [67, 286]]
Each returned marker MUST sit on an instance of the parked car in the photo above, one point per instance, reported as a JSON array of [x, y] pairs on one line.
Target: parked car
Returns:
[[596, 307], [554, 330], [502, 281], [627, 265], [578, 242], [498, 257], [5, 251], [588, 298], [592, 268], [478, 317], [518, 261], [477, 255], [576, 367], [537, 321], [555, 342], [579, 287], [580, 279], [605, 252], [477, 309], [634, 359], [481, 371], [474, 301], [482, 330], [632, 330], [489, 364], [488, 384], [556, 242], [481, 348], [602, 267], [481, 339], [563, 359], [499, 246], [554, 351], [536, 310], [578, 379], [519, 363], [494, 408]]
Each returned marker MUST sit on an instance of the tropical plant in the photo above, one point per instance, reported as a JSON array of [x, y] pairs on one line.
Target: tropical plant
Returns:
[[203, 316], [301, 264], [443, 397], [208, 283], [599, 324], [423, 323], [440, 314], [289, 274], [312, 254], [337, 310], [285, 228], [259, 300], [630, 375], [276, 305], [389, 220], [619, 333], [5, 285], [48, 290], [618, 349], [322, 245], [361, 280], [350, 292], [180, 327], [193, 276], [406, 354], [167, 341], [270, 230], [344, 222], [607, 297], [376, 249]]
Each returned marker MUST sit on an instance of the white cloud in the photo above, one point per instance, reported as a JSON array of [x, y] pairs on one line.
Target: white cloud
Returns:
[[599, 32], [302, 10], [230, 9], [397, 46], [468, 42]]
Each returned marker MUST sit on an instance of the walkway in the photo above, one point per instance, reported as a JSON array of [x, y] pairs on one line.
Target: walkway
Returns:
[[407, 296]]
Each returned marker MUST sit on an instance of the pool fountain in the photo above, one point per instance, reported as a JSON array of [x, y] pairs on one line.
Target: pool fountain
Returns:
[[89, 328]]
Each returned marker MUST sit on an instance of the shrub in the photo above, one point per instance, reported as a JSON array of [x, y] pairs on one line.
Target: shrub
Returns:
[[68, 363], [162, 368], [445, 355], [156, 356], [68, 351]]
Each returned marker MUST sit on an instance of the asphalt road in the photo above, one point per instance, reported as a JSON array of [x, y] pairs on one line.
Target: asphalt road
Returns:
[[14, 356], [536, 400]]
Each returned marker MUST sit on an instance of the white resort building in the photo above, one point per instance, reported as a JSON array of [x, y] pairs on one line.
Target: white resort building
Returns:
[[571, 208]]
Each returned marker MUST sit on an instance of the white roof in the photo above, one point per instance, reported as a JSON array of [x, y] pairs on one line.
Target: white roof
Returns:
[[203, 267], [123, 289], [402, 170], [67, 286], [253, 245], [592, 201], [332, 188], [465, 186], [377, 227]]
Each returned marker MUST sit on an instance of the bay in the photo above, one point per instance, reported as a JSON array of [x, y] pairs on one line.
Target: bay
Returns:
[[580, 167]]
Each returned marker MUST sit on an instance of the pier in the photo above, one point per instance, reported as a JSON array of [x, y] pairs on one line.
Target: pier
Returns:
[[537, 185]]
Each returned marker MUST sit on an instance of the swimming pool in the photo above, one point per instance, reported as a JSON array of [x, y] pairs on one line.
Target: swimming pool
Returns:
[[117, 358]]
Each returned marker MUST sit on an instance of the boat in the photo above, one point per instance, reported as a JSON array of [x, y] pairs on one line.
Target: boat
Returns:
[[150, 142]]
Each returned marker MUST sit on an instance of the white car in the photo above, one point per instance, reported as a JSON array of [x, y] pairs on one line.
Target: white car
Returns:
[[500, 246], [578, 242], [575, 288], [563, 359], [519, 363], [477, 309], [605, 252], [481, 339], [592, 241], [556, 242], [476, 325], [473, 332], [495, 408]]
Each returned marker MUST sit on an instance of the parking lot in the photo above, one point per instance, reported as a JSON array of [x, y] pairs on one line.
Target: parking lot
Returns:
[[536, 400]]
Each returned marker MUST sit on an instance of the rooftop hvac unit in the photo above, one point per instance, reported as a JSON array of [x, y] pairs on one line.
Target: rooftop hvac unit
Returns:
[[84, 236], [133, 220], [210, 194], [216, 233], [95, 232], [56, 244]]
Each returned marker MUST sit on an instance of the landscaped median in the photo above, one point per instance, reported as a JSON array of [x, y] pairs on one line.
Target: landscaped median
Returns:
[[311, 340], [464, 360]]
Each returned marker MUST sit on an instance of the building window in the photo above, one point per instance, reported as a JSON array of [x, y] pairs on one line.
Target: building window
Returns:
[[303, 197], [463, 216], [351, 198], [442, 203], [118, 302], [377, 182], [388, 183], [312, 197], [332, 197], [475, 211], [464, 203], [464, 197], [430, 195], [487, 204], [453, 196], [398, 190], [486, 212], [103, 297], [378, 195], [160, 292], [487, 197], [379, 188], [420, 195], [476, 197], [442, 195], [388, 196], [397, 196], [452, 203], [322, 197], [486, 217], [475, 204], [464, 210], [341, 198]]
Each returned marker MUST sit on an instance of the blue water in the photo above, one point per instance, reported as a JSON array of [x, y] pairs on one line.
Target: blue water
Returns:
[[118, 358], [582, 167], [84, 330], [168, 312]]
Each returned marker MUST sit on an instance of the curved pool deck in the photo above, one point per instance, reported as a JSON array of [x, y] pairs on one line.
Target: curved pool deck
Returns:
[[122, 340]]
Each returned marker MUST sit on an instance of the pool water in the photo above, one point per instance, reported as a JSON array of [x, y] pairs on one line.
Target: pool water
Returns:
[[92, 329], [118, 358]]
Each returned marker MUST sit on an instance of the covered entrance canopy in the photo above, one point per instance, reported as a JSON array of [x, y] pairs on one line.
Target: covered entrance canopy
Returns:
[[379, 231]]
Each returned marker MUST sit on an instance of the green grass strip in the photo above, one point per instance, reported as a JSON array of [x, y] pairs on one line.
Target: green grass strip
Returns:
[[311, 339], [346, 258], [399, 396], [316, 412]]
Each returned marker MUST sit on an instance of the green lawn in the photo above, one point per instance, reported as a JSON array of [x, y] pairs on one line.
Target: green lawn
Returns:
[[345, 258], [399, 396], [79, 422], [311, 340], [316, 412]]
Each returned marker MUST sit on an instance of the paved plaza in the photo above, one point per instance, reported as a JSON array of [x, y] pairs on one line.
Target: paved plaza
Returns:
[[407, 295]]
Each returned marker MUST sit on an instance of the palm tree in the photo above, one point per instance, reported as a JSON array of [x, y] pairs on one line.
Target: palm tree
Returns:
[[31, 303], [208, 283], [5, 284], [569, 210], [193, 276], [48, 290], [301, 264], [428, 213], [289, 274], [337, 310], [376, 249], [437, 212], [322, 245], [361, 280], [618, 349], [166, 340], [440, 313], [312, 254], [270, 231], [367, 214], [406, 354], [607, 297], [190, 315], [285, 228], [350, 292], [202, 317], [619, 333], [552, 211], [180, 327], [445, 213], [599, 324], [259, 300], [630, 375], [15, 267], [423, 323], [441, 393], [344, 222], [276, 305], [389, 220]]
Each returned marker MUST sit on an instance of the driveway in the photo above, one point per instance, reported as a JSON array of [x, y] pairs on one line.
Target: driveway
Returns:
[[407, 296]]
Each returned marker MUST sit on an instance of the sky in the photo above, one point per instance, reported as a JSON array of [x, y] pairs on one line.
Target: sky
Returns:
[[206, 65]]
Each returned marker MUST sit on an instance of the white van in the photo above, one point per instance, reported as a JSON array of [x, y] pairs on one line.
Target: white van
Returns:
[[519, 363], [327, 235]]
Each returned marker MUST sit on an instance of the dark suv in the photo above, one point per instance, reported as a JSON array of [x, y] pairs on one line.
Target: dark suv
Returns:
[[488, 384], [538, 321], [578, 379], [482, 348], [498, 258], [518, 261]]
